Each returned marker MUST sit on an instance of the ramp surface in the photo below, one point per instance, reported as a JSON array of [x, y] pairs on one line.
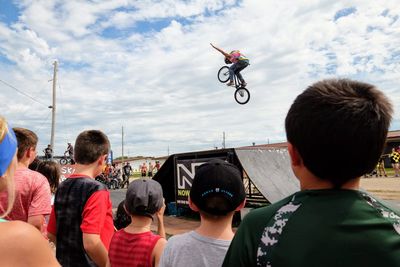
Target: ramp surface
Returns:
[[270, 172]]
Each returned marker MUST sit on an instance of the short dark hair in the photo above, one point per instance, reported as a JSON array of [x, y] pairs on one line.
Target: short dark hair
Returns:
[[26, 139], [51, 170], [89, 146], [339, 127]]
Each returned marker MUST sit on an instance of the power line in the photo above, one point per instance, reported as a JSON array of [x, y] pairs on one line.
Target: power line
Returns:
[[22, 93]]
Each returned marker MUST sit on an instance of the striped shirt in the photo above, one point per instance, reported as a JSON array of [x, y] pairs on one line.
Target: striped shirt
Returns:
[[127, 249]]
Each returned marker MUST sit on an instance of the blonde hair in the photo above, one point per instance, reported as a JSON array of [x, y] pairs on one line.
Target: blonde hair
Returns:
[[6, 180]]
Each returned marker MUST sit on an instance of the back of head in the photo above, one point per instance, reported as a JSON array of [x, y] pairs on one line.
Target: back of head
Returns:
[[89, 146], [144, 197], [51, 170], [339, 127], [26, 139], [217, 188]]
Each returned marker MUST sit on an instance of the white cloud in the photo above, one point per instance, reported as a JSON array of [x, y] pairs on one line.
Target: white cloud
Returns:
[[162, 85]]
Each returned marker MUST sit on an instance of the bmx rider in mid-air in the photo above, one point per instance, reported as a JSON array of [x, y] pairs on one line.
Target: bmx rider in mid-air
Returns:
[[239, 63]]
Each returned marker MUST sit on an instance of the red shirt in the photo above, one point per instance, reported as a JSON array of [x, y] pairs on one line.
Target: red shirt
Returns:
[[96, 216], [128, 249]]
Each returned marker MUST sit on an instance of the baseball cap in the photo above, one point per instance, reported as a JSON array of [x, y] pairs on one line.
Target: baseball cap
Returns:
[[144, 197], [217, 187]]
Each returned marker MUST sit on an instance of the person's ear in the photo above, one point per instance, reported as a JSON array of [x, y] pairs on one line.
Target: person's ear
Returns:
[[295, 157], [192, 205], [241, 206], [102, 160]]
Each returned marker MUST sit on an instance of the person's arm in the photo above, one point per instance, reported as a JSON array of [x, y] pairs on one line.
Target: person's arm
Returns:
[[37, 221], [94, 216], [221, 51], [158, 250], [160, 219], [95, 249], [33, 251], [40, 205]]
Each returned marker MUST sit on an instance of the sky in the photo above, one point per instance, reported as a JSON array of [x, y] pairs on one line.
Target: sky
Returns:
[[148, 66]]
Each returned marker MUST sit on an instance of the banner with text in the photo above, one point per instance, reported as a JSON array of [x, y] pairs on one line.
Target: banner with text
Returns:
[[185, 172]]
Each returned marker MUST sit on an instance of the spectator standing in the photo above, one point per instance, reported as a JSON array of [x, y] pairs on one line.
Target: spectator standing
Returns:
[[329, 222], [32, 190], [48, 152], [143, 169], [151, 168], [217, 192], [81, 223], [20, 243], [136, 245], [395, 159], [51, 170], [127, 169]]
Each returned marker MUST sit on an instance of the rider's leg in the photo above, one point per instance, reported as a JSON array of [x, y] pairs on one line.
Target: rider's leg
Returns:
[[240, 66], [232, 70]]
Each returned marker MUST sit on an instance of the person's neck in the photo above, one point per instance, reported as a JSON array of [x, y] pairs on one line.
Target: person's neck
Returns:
[[311, 182], [90, 170], [23, 163], [217, 229], [139, 224]]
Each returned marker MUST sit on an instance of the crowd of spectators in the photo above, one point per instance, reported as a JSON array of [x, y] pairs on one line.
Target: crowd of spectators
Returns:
[[330, 221]]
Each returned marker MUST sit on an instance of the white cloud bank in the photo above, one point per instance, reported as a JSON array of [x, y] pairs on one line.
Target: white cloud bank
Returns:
[[148, 65]]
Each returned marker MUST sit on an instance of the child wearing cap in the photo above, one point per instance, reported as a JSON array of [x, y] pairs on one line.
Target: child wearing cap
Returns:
[[136, 245], [217, 192]]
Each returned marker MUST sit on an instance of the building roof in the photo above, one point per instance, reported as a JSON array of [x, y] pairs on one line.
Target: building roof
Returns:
[[393, 136]]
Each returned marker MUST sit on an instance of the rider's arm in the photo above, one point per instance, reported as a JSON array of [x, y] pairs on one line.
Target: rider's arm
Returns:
[[221, 51]]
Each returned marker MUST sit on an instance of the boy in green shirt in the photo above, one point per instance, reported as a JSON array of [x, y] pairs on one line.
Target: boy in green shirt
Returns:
[[330, 222]]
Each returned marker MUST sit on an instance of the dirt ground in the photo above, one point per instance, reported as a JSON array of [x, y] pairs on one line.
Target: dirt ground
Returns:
[[385, 188]]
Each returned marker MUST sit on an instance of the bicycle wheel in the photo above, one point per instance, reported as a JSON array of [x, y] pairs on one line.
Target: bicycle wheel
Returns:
[[223, 74], [242, 95], [63, 161]]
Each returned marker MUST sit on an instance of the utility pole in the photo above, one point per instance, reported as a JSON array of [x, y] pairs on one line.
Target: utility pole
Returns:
[[122, 160], [223, 139], [53, 107]]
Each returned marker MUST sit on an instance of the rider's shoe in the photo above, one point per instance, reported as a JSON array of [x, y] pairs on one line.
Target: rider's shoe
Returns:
[[230, 83], [244, 84]]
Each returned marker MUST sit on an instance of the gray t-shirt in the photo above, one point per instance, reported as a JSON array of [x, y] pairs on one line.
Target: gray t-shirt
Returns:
[[192, 249]]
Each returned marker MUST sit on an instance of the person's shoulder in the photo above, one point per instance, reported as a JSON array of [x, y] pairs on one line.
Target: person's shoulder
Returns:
[[180, 239], [266, 211], [19, 230]]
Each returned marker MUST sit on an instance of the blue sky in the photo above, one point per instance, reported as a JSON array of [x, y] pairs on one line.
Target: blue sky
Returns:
[[148, 66]]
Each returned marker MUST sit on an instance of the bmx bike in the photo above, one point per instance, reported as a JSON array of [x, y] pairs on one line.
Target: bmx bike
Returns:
[[242, 95], [66, 160]]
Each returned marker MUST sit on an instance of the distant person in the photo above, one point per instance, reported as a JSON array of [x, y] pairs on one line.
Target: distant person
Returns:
[[381, 167], [70, 152], [32, 190], [395, 160], [157, 166], [217, 192], [143, 169], [330, 222], [239, 61], [136, 245], [81, 223], [151, 168], [48, 152], [20, 244], [127, 171], [51, 170]]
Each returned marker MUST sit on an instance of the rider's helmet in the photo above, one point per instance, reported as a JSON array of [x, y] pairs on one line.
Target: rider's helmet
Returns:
[[227, 61]]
